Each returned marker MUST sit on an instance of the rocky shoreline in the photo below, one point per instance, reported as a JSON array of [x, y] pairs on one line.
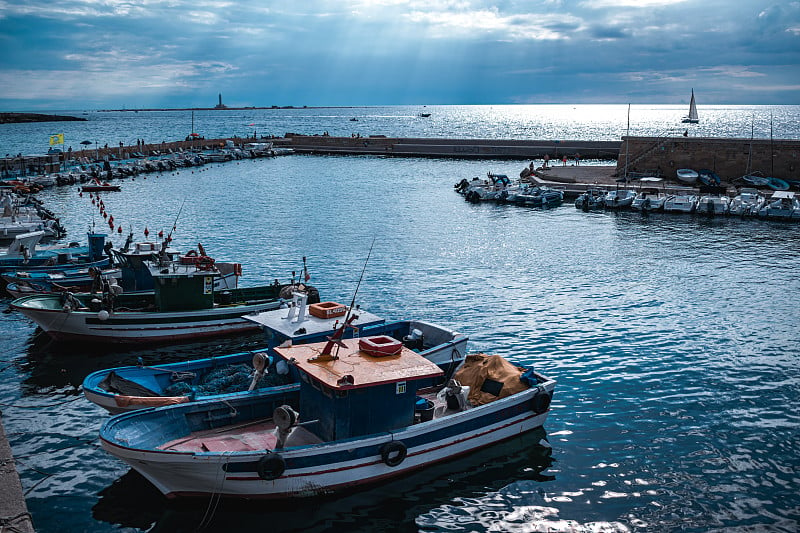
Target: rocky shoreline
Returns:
[[15, 118]]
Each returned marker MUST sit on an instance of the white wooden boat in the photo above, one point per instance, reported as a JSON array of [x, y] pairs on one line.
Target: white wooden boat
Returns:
[[687, 175], [356, 419], [183, 305]]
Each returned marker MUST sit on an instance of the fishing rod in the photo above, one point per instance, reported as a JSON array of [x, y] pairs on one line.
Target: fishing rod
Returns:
[[174, 224], [335, 339]]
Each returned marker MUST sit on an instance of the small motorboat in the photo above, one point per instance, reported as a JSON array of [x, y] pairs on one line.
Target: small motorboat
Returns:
[[713, 204], [355, 419], [98, 186], [687, 175], [681, 202], [537, 196], [619, 199], [746, 202], [594, 198], [782, 205], [650, 197]]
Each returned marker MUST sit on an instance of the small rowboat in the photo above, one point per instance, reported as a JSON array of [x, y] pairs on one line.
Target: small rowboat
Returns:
[[687, 175]]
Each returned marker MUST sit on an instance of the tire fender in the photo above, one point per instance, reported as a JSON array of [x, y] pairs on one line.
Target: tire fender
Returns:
[[393, 453]]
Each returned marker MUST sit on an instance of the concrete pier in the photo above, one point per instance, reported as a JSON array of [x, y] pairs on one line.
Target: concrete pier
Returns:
[[454, 148], [14, 514]]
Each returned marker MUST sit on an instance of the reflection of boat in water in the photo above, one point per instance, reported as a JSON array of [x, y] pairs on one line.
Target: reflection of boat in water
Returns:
[[132, 502]]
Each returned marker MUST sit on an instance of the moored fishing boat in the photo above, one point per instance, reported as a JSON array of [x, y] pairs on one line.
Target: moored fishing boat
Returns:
[[230, 376], [21, 283], [183, 305], [356, 419]]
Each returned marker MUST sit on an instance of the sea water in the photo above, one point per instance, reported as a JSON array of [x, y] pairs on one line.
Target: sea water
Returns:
[[673, 338]]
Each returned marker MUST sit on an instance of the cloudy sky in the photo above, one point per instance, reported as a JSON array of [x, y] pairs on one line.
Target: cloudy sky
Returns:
[[88, 54]]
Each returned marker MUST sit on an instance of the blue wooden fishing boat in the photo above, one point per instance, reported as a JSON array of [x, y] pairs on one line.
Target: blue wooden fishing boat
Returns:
[[708, 177], [228, 376], [25, 253], [22, 282], [777, 184], [356, 418]]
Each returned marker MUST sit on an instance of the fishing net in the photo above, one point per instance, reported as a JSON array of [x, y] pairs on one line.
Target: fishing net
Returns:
[[224, 380]]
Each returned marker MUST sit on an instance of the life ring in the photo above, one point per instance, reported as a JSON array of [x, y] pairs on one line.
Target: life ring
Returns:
[[393, 452], [541, 402], [271, 466]]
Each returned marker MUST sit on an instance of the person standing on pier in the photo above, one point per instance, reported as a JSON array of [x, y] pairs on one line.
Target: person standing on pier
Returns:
[[564, 160]]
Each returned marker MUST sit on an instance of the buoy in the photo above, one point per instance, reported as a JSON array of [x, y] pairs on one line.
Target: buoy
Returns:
[[102, 315]]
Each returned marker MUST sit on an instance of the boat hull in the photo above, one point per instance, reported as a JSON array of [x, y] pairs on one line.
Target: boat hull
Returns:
[[136, 327], [323, 468]]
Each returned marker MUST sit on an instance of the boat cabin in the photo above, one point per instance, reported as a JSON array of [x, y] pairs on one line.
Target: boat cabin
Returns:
[[297, 323], [183, 287], [351, 393]]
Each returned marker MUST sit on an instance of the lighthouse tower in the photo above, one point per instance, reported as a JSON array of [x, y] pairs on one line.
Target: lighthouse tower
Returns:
[[220, 105]]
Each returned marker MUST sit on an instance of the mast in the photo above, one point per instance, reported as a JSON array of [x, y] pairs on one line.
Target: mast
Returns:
[[627, 140]]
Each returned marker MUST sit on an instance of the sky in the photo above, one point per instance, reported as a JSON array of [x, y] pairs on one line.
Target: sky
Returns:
[[115, 54]]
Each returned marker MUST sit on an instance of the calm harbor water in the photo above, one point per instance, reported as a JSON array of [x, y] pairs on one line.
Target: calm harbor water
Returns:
[[674, 340]]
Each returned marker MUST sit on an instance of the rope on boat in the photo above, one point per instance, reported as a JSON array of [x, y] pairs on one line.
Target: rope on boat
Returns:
[[216, 495]]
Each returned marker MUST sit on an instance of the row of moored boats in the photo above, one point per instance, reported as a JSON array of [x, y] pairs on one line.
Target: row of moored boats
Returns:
[[337, 397]]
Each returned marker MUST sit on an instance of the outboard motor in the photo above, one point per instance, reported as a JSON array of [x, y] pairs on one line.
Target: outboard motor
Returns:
[[414, 341]]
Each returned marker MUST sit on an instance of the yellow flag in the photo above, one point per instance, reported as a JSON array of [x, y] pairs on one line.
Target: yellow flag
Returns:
[[57, 139]]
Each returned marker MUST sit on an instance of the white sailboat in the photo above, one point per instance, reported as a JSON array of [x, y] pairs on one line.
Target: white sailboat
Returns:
[[691, 118]]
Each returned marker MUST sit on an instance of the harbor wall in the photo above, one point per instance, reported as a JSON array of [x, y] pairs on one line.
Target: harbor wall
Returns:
[[729, 158], [458, 148], [14, 515]]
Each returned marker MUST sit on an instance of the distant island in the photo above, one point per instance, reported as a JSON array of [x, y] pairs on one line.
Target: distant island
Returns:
[[13, 118]]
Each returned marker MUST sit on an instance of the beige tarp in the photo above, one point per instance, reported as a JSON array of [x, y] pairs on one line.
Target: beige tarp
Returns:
[[503, 378]]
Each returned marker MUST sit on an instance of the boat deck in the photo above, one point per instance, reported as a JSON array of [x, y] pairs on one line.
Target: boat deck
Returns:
[[262, 434]]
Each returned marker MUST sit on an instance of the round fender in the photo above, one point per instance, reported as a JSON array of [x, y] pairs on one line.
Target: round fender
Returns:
[[541, 402], [271, 466], [393, 452]]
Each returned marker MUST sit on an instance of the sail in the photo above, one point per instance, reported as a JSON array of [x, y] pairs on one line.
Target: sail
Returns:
[[692, 116]]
